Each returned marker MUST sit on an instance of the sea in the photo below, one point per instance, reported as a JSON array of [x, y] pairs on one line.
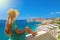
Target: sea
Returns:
[[21, 25]]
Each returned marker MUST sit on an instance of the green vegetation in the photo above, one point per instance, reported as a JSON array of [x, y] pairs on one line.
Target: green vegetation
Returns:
[[58, 22], [58, 33], [59, 27], [59, 36]]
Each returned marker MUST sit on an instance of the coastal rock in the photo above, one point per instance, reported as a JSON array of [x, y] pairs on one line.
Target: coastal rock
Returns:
[[45, 36]]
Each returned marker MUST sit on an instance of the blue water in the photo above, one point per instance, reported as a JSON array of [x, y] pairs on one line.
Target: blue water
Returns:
[[21, 25]]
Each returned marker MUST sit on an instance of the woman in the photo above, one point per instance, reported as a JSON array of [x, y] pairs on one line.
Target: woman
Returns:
[[11, 29]]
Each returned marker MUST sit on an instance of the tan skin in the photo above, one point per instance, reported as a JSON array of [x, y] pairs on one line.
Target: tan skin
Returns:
[[9, 26], [29, 31]]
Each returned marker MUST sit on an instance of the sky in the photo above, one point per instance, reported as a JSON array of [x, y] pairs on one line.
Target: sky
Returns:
[[31, 8]]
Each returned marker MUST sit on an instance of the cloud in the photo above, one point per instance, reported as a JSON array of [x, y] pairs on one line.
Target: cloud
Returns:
[[57, 12], [52, 13]]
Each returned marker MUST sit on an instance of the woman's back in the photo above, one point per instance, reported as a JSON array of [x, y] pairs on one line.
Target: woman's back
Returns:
[[15, 36]]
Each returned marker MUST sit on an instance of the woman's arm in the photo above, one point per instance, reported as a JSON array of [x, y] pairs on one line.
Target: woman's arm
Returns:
[[29, 31], [19, 32]]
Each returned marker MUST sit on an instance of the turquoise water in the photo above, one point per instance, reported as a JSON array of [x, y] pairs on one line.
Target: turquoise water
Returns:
[[21, 25]]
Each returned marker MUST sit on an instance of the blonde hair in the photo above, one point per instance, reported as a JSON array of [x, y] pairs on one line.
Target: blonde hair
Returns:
[[11, 13]]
